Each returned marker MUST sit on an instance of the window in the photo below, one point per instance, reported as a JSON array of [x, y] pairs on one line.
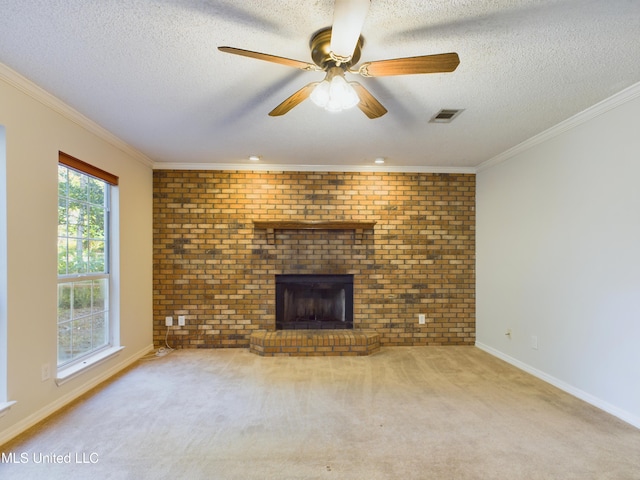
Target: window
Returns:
[[84, 321], [4, 403]]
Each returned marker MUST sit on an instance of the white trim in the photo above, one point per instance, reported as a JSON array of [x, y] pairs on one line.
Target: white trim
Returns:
[[570, 389], [37, 93], [5, 406], [309, 168], [620, 98], [26, 86], [67, 374], [53, 407]]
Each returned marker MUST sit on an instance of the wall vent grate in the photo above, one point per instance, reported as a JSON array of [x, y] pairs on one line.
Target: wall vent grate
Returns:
[[446, 115]]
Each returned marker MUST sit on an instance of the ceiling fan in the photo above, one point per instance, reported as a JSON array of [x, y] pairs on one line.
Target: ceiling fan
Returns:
[[335, 50]]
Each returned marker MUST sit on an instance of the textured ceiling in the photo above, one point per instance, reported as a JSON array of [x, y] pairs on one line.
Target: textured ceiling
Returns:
[[150, 73]]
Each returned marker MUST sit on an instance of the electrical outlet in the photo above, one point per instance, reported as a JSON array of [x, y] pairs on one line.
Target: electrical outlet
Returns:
[[181, 320], [168, 321], [534, 342], [508, 333], [422, 319], [46, 372]]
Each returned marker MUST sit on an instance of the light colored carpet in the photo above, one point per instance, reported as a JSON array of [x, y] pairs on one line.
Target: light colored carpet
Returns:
[[404, 413]]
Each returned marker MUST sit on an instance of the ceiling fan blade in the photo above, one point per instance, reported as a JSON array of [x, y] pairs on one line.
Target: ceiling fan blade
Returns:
[[371, 107], [440, 63], [348, 19], [295, 99], [270, 58]]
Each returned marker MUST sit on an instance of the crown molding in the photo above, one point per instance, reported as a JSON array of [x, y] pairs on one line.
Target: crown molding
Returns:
[[37, 93], [620, 98], [308, 168]]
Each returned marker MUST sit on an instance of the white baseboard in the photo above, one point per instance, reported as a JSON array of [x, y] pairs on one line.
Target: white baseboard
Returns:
[[38, 416], [570, 389]]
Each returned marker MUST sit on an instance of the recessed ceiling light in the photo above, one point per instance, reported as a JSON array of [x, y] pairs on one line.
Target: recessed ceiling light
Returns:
[[254, 158], [379, 160]]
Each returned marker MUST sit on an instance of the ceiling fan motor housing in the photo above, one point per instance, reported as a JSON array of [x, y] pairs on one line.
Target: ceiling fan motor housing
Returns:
[[321, 52]]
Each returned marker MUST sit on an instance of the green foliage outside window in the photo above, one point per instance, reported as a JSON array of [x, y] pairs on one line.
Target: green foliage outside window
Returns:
[[81, 223]]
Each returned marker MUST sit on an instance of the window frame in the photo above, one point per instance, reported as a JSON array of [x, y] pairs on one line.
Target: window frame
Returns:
[[5, 403], [68, 369]]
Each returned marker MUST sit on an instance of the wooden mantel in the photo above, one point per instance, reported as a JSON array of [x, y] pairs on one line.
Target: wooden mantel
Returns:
[[271, 226], [313, 225]]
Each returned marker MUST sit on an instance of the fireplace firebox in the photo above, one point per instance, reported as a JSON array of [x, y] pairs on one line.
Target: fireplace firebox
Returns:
[[314, 302]]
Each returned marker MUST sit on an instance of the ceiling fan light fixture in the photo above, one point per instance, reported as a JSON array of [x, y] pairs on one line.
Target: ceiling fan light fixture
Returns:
[[334, 93]]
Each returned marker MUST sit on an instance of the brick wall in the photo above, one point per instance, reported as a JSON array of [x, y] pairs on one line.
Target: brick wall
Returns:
[[212, 266]]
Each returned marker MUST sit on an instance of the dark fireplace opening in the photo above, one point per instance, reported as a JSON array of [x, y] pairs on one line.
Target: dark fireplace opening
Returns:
[[314, 302]]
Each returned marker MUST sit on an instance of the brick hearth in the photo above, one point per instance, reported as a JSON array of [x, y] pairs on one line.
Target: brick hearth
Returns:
[[306, 343]]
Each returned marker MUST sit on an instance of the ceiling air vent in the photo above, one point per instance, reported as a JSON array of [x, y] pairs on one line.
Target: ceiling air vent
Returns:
[[445, 115]]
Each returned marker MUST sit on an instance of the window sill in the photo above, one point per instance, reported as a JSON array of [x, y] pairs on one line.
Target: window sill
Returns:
[[5, 406], [69, 373]]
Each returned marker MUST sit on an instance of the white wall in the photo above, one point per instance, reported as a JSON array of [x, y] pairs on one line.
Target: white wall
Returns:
[[558, 257], [37, 126]]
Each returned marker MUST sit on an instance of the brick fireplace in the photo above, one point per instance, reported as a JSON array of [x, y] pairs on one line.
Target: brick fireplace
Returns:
[[215, 264]]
